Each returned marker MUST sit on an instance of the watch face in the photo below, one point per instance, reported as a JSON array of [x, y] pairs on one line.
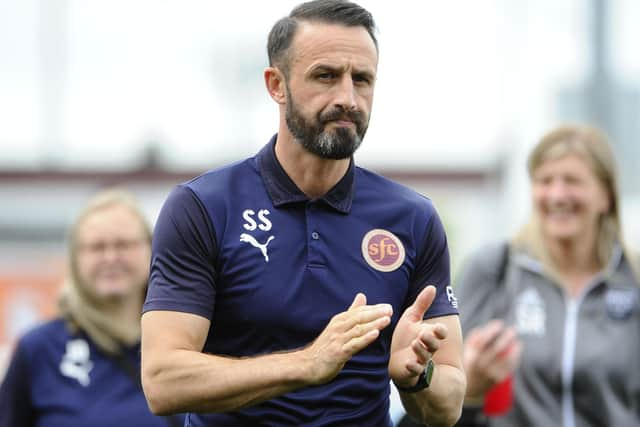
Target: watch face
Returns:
[[428, 373]]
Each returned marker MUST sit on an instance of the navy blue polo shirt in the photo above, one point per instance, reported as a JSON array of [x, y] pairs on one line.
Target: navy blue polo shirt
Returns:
[[243, 247], [60, 379]]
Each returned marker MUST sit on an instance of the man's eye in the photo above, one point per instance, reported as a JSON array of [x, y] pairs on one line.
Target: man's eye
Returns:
[[360, 79], [325, 76]]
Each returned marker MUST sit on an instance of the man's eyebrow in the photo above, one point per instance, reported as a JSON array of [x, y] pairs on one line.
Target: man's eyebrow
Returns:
[[326, 67], [341, 69]]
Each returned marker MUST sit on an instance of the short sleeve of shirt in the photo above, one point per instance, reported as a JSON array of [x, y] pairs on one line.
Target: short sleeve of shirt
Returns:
[[184, 250], [15, 398], [433, 268]]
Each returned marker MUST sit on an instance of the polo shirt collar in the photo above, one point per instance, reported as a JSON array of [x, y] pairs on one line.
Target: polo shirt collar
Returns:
[[282, 190]]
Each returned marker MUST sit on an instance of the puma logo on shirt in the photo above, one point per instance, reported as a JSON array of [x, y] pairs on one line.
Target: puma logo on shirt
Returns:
[[244, 237]]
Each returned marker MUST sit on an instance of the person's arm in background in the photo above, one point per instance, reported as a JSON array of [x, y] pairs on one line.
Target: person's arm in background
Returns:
[[15, 396], [178, 377], [491, 348]]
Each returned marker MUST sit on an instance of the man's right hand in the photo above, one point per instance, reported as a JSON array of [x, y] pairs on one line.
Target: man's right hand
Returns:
[[346, 334]]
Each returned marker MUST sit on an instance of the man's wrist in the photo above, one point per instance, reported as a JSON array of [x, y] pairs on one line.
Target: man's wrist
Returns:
[[299, 368], [423, 382]]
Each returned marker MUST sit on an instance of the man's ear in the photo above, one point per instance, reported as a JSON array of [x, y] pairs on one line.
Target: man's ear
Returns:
[[274, 80]]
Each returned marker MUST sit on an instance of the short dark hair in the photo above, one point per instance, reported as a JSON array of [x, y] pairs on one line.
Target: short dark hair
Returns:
[[327, 11]]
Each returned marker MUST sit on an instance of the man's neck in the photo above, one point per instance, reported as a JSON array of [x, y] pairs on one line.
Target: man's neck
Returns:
[[313, 175]]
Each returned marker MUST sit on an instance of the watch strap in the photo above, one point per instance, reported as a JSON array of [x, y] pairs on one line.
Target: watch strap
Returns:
[[424, 380]]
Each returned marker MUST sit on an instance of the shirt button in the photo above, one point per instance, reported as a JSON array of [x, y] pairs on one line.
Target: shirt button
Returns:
[[315, 236]]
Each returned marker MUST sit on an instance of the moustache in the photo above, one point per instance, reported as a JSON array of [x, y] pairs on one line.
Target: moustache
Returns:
[[354, 116]]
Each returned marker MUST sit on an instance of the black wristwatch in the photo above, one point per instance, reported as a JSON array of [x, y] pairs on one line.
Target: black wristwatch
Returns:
[[423, 380]]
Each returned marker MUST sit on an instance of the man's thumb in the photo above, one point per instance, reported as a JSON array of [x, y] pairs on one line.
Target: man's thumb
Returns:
[[423, 302]]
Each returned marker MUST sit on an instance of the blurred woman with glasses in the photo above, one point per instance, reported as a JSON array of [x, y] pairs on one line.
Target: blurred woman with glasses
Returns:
[[82, 368]]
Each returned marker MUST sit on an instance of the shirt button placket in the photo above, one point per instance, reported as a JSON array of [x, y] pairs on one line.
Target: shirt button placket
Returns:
[[315, 256]]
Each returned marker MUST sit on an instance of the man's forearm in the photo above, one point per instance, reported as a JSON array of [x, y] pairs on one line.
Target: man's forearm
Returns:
[[441, 403], [177, 377], [189, 381]]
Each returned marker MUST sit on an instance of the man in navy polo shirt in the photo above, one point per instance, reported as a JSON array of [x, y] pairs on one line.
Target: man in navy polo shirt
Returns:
[[287, 289]]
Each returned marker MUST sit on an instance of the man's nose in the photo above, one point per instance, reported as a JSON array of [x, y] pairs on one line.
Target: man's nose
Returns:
[[346, 96]]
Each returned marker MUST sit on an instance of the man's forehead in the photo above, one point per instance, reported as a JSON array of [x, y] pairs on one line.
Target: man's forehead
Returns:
[[314, 40]]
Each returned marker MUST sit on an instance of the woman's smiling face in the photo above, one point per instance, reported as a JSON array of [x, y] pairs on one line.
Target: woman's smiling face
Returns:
[[568, 198]]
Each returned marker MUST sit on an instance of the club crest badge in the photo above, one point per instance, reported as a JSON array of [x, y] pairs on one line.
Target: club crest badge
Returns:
[[382, 250]]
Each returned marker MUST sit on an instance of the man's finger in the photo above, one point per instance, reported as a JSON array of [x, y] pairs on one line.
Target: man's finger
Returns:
[[422, 303], [421, 351], [359, 300], [362, 315], [357, 344], [438, 330], [431, 335], [360, 329]]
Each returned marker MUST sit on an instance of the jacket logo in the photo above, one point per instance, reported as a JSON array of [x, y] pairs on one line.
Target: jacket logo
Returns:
[[382, 250], [75, 362], [621, 303], [244, 237], [530, 313]]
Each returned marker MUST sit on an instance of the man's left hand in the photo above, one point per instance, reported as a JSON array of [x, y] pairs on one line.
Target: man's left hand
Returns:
[[414, 342]]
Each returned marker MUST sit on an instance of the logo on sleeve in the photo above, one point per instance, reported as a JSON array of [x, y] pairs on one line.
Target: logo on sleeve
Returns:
[[452, 297], [382, 250]]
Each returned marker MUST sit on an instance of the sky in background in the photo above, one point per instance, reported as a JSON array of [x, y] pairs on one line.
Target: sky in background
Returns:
[[93, 83], [89, 83]]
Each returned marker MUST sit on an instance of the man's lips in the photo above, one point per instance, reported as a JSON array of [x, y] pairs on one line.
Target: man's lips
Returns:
[[343, 122]]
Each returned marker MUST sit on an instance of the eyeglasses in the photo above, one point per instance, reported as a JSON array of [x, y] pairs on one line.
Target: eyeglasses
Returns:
[[100, 247]]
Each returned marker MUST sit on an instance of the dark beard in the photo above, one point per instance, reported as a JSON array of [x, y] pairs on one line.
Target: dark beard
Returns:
[[338, 144]]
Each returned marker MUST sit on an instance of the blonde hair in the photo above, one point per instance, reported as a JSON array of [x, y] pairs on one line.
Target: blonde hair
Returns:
[[76, 304], [591, 145]]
